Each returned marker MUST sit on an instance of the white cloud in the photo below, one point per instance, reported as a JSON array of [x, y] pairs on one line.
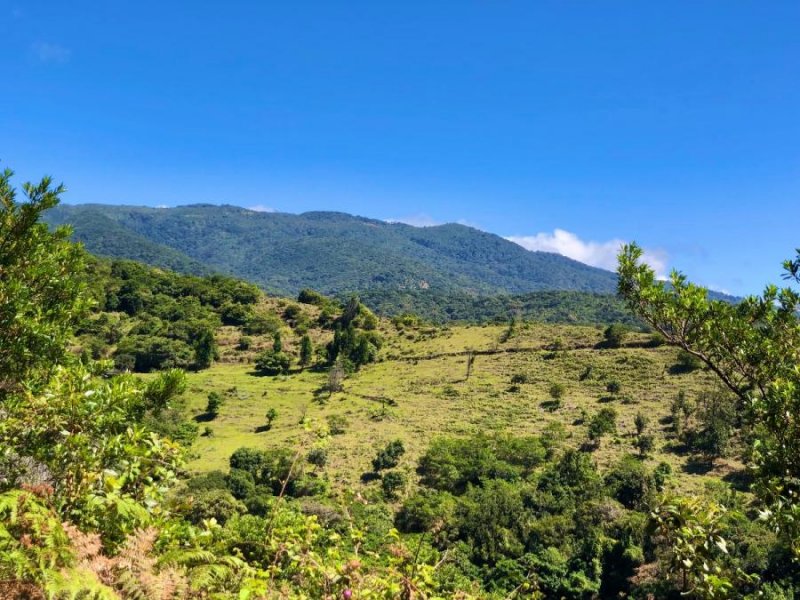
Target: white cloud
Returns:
[[51, 53], [596, 254], [418, 220], [261, 208]]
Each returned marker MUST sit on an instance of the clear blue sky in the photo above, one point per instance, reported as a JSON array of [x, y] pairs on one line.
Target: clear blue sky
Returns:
[[676, 124]]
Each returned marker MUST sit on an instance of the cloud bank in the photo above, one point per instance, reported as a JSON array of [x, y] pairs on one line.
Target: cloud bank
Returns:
[[596, 254]]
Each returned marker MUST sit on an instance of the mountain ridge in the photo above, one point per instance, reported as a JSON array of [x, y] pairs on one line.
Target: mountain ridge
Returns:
[[331, 251]]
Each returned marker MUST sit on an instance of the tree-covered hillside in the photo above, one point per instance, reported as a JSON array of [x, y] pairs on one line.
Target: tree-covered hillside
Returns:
[[332, 252], [385, 459]]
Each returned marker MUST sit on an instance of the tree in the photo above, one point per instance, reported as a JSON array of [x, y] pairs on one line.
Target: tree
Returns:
[[614, 335], [336, 377], [645, 444], [270, 362], [205, 348], [752, 347], [350, 311], [717, 417], [306, 350], [389, 456], [271, 415], [317, 457], [391, 484], [41, 286], [277, 342], [605, 421], [470, 363], [214, 404], [640, 421]]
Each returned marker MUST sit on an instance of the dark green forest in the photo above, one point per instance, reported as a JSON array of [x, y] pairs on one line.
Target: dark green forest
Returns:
[[334, 253]]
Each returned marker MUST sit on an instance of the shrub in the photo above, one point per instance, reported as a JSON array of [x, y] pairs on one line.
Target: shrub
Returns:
[[214, 404], [241, 484], [605, 421], [629, 482], [271, 362], [337, 424], [614, 335], [388, 457], [392, 484], [317, 457], [557, 391], [214, 504], [613, 387]]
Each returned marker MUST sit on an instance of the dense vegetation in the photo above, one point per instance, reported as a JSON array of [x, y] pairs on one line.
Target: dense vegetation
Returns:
[[331, 252], [95, 501], [147, 319], [555, 306]]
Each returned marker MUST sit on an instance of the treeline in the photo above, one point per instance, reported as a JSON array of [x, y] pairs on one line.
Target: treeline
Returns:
[[580, 308]]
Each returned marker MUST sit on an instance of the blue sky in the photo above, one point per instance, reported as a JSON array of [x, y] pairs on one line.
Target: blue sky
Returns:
[[568, 125]]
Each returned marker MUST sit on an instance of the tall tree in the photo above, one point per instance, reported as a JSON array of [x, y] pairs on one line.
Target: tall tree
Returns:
[[306, 350], [40, 294], [753, 347]]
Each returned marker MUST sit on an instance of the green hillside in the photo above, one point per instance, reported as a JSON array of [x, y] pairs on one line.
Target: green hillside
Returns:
[[332, 252]]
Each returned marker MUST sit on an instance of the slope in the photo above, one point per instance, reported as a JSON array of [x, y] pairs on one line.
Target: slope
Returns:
[[333, 252]]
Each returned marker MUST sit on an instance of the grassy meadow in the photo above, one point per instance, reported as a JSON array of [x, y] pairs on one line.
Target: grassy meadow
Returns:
[[419, 389]]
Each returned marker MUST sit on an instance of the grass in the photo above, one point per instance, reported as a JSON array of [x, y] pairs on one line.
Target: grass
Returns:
[[419, 390]]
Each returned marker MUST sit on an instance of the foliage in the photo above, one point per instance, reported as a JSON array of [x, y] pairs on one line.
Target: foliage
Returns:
[[214, 404], [306, 350], [453, 464], [388, 457], [392, 483], [614, 335], [329, 252], [40, 298], [602, 423], [752, 348], [82, 436], [149, 319], [270, 362]]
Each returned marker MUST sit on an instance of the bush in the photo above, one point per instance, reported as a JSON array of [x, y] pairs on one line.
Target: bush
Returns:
[[337, 424], [557, 391], [241, 484], [271, 362], [629, 482], [613, 387], [213, 480], [520, 378], [605, 421], [451, 464], [317, 457], [614, 335], [214, 504], [392, 484], [388, 457], [214, 404], [425, 509]]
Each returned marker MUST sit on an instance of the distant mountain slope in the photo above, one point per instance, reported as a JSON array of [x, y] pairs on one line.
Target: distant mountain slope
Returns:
[[332, 252]]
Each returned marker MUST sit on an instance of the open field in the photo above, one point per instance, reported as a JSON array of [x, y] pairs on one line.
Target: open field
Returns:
[[419, 390]]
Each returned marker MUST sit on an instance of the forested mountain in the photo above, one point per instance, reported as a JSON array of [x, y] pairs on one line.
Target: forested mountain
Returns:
[[334, 253]]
